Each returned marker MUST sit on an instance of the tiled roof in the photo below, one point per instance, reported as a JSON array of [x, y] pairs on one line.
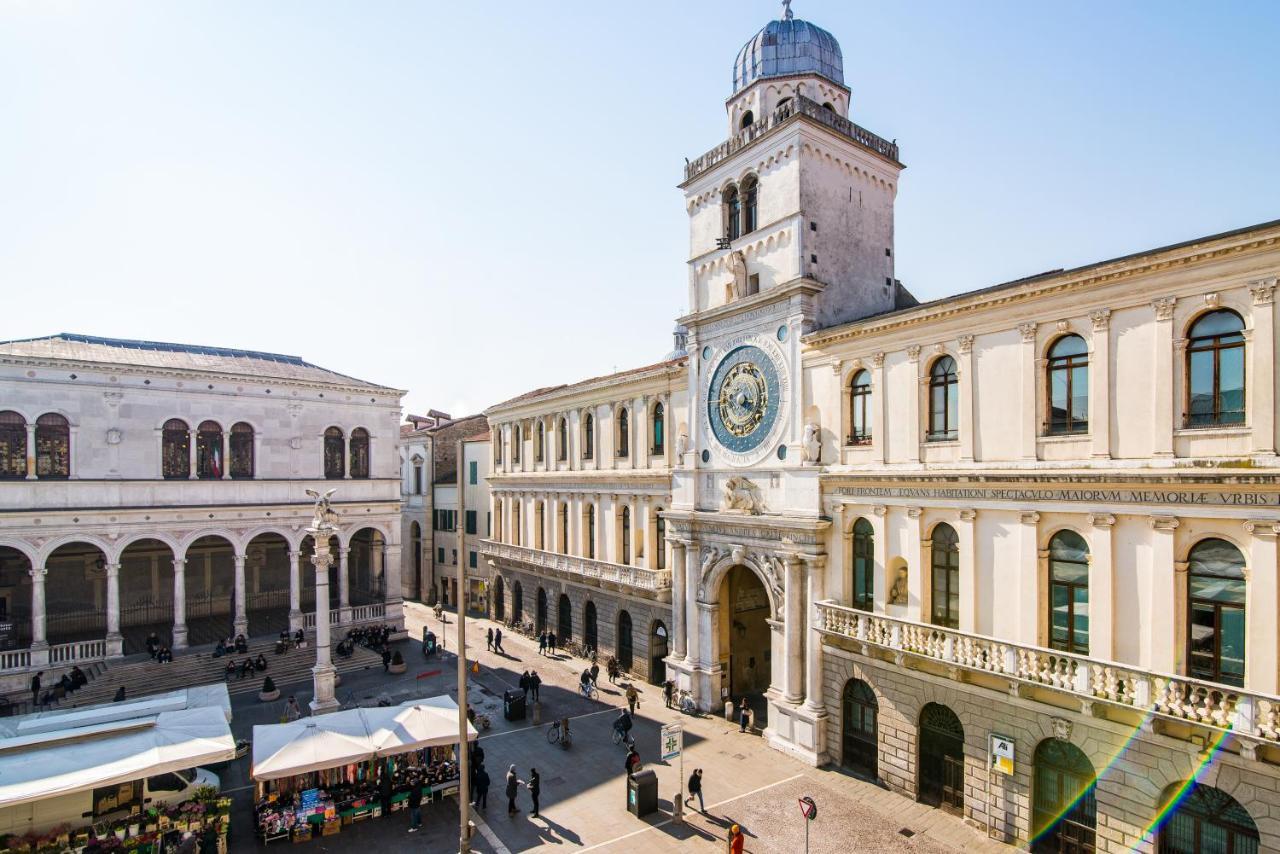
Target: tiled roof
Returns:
[[182, 357], [619, 376]]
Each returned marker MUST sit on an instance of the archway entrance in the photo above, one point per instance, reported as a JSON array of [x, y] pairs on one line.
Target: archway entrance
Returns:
[[366, 572], [589, 627], [1064, 814], [15, 599], [564, 621], [517, 604], [211, 589], [540, 624], [859, 718], [266, 583], [745, 639], [626, 655], [499, 600], [146, 594], [75, 590], [941, 759], [658, 653], [308, 587]]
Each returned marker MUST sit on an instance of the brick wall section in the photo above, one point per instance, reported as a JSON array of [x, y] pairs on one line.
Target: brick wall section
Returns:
[[608, 605], [1135, 768]]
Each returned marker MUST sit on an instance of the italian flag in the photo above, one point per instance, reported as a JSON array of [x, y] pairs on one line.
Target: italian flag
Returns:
[[215, 461]]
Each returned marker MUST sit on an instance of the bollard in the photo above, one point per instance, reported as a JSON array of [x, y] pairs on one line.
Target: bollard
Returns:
[[728, 710], [677, 809], [537, 713]]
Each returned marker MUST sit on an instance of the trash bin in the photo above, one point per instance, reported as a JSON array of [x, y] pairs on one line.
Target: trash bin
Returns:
[[513, 705], [642, 793]]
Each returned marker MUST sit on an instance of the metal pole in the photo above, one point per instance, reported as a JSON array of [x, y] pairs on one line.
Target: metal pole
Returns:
[[464, 759]]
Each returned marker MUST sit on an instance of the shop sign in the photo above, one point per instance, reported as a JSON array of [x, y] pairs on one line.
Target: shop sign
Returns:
[[672, 741], [1001, 754]]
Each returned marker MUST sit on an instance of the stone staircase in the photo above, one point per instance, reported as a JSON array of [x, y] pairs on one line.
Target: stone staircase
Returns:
[[141, 676]]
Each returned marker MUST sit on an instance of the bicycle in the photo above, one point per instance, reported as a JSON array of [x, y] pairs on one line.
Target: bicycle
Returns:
[[589, 690], [620, 736], [558, 733]]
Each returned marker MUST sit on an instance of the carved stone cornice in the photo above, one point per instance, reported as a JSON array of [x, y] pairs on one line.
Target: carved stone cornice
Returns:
[[1027, 331], [966, 343], [1101, 319], [913, 352], [1102, 520], [1263, 290], [1163, 307], [1164, 523]]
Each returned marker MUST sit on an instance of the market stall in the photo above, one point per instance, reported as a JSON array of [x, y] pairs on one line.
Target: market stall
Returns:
[[316, 775], [133, 774]]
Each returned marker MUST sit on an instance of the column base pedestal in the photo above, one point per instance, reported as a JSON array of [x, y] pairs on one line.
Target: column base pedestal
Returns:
[[295, 621], [115, 645], [344, 615], [394, 613], [324, 679], [799, 731], [241, 626], [39, 655], [180, 637]]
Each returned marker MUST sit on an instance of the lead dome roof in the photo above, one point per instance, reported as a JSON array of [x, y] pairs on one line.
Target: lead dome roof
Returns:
[[786, 47]]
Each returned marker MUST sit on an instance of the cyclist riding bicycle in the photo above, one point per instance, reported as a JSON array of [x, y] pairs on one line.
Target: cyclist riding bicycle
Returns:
[[623, 725], [585, 684]]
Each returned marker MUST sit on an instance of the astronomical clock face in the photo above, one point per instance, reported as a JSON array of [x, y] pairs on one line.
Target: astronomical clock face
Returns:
[[743, 399]]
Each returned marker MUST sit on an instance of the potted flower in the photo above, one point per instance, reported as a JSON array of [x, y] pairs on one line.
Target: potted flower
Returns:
[[397, 664], [269, 692]]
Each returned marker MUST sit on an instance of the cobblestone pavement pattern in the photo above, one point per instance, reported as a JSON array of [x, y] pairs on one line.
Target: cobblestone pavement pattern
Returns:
[[583, 788]]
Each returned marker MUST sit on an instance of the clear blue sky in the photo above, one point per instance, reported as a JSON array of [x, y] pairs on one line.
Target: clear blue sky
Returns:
[[469, 200]]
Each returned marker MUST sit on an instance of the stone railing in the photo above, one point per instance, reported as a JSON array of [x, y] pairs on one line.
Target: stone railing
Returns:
[[373, 613], [15, 660], [800, 106], [631, 576], [1207, 703], [67, 653]]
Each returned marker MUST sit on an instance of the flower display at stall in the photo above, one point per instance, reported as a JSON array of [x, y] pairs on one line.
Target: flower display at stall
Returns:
[[150, 831]]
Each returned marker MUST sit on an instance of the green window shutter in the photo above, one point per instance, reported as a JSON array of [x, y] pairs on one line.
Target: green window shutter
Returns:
[[474, 472], [471, 522]]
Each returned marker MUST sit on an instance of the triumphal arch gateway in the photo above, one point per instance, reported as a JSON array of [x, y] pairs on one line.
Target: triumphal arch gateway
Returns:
[[1012, 553]]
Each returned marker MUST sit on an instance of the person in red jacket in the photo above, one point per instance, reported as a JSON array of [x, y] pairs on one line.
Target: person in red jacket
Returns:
[[736, 840]]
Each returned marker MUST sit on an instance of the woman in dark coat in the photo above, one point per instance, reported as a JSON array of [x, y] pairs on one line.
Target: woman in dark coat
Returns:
[[535, 789], [513, 787]]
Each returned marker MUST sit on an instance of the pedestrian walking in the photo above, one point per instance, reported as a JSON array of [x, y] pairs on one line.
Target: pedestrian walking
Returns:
[[488, 640], [524, 684], [482, 788], [595, 673], [415, 806], [632, 761], [535, 788], [513, 787], [633, 698], [291, 710], [542, 643], [744, 715], [386, 659], [736, 840], [35, 689], [477, 759], [695, 789], [535, 682], [551, 642], [497, 642], [668, 691]]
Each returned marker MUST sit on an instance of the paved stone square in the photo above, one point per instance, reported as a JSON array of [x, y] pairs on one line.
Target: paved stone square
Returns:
[[583, 792]]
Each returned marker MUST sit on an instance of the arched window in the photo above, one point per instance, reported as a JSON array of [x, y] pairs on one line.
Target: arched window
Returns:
[[826, 105], [499, 600], [1207, 821], [588, 437], [209, 461], [784, 106], [539, 522], [659, 430], [1216, 612], [53, 447], [591, 531], [589, 626], [539, 439], [1069, 593], [517, 603], [1064, 812], [175, 453], [1215, 370], [624, 433], [860, 709], [242, 451], [334, 454], [624, 651], [860, 409], [562, 437], [360, 453], [750, 190], [941, 764], [516, 441], [564, 620], [662, 539], [517, 521], [564, 528], [540, 615], [732, 213], [625, 551], [417, 477], [1068, 377], [945, 590], [13, 446], [864, 562], [944, 401], [415, 540], [748, 119]]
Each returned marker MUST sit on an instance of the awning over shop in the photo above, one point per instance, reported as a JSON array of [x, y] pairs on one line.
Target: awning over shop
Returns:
[[357, 735], [74, 759]]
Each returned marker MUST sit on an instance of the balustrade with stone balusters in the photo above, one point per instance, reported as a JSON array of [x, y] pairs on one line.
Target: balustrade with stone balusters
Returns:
[[1181, 698], [652, 580]]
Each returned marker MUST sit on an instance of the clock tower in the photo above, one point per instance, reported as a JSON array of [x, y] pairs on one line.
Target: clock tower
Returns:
[[790, 230]]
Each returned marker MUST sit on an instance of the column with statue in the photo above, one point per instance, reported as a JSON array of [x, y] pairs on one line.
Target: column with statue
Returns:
[[324, 676]]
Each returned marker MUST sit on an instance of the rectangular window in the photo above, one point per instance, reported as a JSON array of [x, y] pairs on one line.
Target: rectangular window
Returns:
[[471, 522], [455, 557], [417, 480], [473, 469], [471, 560], [440, 554], [488, 524]]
